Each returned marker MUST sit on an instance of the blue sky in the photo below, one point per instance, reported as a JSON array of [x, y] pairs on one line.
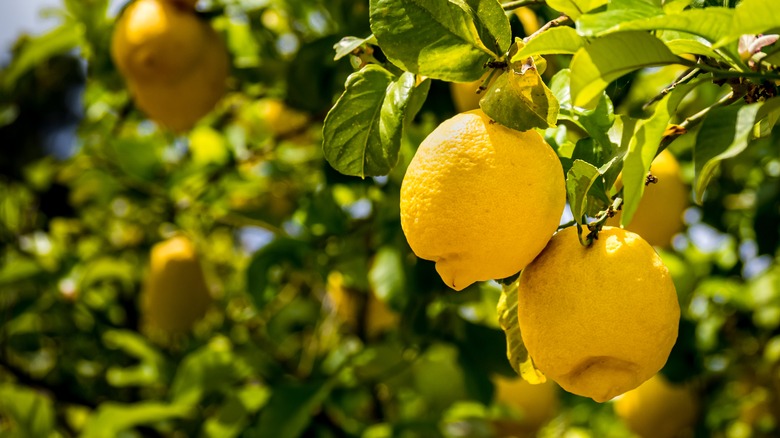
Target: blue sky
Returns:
[[18, 16]]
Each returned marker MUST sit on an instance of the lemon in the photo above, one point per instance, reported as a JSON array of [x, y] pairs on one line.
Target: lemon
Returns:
[[658, 409], [464, 95], [157, 41], [186, 3], [279, 119], [480, 199], [535, 405], [598, 320], [175, 64], [345, 302], [181, 105], [175, 294], [660, 213]]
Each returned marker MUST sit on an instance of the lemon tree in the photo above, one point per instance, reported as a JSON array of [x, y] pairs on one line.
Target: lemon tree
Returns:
[[333, 193]]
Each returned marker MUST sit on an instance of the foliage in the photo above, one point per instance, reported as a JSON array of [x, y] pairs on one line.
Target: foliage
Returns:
[[88, 185]]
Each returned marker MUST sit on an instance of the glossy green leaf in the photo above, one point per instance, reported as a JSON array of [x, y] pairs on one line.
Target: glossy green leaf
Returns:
[[348, 44], [753, 17], [558, 40], [711, 23], [575, 8], [112, 418], [31, 413], [725, 133], [594, 66], [618, 11], [643, 147], [693, 47], [579, 179], [521, 101], [448, 40], [362, 133], [516, 352]]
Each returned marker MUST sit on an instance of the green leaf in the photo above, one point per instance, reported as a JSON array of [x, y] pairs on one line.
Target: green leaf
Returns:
[[137, 157], [521, 100], [285, 252], [711, 23], [594, 66], [772, 58], [387, 276], [39, 49], [579, 180], [694, 47], [767, 118], [618, 11], [725, 133], [557, 40], [752, 17], [362, 133], [448, 40], [516, 352], [643, 147], [147, 373], [31, 413], [575, 8], [112, 418], [348, 44], [290, 409], [214, 367]]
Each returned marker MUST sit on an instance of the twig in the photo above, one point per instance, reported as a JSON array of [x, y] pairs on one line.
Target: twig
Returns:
[[696, 119], [563, 19], [722, 74], [686, 76], [520, 3]]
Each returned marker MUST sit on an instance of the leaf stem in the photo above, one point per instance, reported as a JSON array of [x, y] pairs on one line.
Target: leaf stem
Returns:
[[508, 6]]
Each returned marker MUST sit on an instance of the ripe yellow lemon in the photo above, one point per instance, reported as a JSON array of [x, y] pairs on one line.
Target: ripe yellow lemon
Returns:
[[175, 64], [279, 119], [157, 41], [187, 3], [464, 95], [175, 294], [658, 409], [660, 213], [179, 106], [535, 404], [480, 199], [598, 320]]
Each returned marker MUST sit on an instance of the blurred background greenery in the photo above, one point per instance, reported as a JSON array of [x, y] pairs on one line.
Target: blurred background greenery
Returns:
[[323, 323]]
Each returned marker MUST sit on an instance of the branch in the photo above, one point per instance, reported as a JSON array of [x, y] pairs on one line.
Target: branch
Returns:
[[695, 119], [563, 19], [520, 3], [686, 76]]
